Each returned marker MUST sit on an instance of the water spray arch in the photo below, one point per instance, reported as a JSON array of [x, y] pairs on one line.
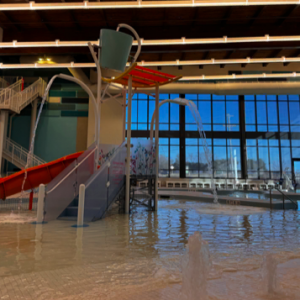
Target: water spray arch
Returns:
[[197, 117]]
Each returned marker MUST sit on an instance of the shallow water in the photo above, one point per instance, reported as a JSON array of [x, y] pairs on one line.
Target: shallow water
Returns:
[[139, 256]]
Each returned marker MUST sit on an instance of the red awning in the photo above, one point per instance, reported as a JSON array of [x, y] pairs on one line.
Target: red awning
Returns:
[[143, 77]]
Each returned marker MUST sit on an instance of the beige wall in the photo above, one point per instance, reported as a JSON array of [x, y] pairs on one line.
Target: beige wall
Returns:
[[111, 121], [81, 140]]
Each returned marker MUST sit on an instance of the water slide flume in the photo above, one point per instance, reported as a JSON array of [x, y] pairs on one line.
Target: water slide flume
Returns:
[[44, 173]]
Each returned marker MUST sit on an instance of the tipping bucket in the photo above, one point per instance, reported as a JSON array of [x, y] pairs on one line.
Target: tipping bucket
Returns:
[[115, 49]]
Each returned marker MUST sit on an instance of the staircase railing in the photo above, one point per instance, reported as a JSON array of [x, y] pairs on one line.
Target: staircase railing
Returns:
[[3, 83], [19, 154], [27, 95], [287, 197], [8, 93], [15, 99]]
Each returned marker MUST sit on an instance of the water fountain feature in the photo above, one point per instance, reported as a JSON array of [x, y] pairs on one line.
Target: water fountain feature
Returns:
[[31, 146], [195, 113], [195, 269]]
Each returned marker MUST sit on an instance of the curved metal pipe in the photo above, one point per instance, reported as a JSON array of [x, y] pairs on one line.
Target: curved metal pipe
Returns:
[[96, 111], [179, 101], [137, 38]]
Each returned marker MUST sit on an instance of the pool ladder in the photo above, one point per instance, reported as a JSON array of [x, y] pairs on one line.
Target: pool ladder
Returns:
[[283, 198]]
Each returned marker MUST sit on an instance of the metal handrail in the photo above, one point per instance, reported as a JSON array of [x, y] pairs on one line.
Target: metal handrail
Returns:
[[15, 99], [107, 162], [284, 195], [61, 181], [18, 153]]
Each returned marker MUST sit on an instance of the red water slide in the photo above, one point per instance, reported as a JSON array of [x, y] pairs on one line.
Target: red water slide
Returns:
[[12, 184]]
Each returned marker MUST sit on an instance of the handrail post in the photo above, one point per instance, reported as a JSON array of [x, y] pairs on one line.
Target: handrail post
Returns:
[[271, 200], [40, 205], [80, 212]]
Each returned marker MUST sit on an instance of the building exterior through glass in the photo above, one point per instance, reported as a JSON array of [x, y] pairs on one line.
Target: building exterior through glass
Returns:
[[259, 134]]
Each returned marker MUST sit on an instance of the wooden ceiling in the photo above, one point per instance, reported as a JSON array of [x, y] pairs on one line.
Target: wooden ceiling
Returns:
[[158, 23]]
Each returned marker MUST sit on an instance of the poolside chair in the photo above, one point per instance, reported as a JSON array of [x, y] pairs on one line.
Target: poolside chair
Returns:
[[170, 184], [271, 184], [263, 186]]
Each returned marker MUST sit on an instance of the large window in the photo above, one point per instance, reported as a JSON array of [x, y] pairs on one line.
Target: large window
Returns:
[[143, 107], [271, 134], [263, 158], [218, 113], [169, 165], [225, 156], [270, 113]]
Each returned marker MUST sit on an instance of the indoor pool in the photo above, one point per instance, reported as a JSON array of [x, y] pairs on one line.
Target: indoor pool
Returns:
[[140, 256], [263, 195]]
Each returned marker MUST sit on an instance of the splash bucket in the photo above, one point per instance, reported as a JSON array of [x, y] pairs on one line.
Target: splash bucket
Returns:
[[115, 49]]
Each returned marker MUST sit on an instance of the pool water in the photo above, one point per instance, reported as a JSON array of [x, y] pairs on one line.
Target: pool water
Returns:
[[139, 256], [247, 195]]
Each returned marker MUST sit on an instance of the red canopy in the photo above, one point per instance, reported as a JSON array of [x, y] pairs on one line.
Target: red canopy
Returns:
[[143, 77]]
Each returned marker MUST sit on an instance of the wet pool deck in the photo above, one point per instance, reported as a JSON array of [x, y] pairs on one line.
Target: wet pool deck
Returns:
[[199, 195]]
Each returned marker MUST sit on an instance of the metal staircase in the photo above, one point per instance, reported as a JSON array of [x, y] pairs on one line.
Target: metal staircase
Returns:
[[17, 155], [15, 99]]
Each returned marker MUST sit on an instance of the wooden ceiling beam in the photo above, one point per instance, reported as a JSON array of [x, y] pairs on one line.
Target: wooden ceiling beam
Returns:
[[41, 15], [274, 53], [205, 55], [287, 14], [229, 54], [295, 54], [256, 15], [10, 22], [226, 16]]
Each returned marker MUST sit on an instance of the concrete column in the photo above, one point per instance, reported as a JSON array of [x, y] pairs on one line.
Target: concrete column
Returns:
[[3, 134]]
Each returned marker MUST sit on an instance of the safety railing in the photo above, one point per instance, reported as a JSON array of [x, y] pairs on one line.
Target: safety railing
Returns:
[[3, 83], [64, 188], [15, 99], [19, 154], [284, 197], [28, 94], [8, 93], [105, 185]]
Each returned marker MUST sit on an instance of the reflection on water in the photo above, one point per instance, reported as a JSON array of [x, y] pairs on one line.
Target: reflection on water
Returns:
[[129, 257]]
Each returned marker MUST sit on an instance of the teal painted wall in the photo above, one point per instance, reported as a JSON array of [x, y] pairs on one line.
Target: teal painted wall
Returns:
[[57, 129], [55, 137]]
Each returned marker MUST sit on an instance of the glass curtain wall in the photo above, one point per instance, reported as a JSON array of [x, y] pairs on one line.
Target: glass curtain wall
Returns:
[[271, 128]]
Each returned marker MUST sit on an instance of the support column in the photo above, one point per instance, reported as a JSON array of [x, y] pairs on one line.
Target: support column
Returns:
[[156, 145], [32, 124], [124, 114], [182, 161], [243, 138], [127, 198], [3, 134]]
